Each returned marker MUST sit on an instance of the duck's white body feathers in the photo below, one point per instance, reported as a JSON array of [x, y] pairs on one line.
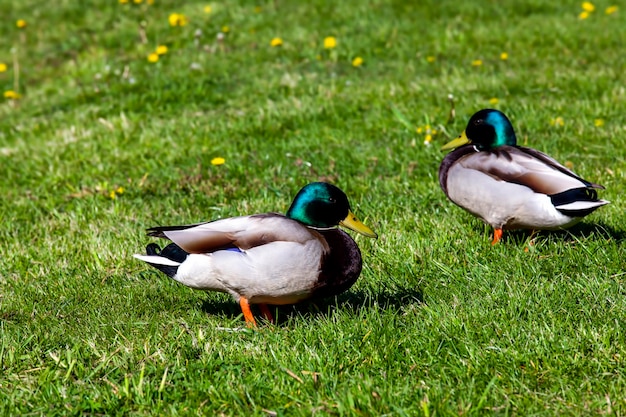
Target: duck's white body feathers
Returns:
[[513, 187], [266, 258]]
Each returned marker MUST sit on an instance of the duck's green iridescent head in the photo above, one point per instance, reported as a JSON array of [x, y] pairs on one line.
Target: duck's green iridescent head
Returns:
[[322, 205], [486, 129]]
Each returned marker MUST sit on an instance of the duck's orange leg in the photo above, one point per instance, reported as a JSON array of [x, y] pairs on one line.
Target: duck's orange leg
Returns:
[[266, 313], [247, 313], [497, 235]]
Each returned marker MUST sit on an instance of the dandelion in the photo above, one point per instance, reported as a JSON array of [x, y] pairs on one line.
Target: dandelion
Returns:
[[493, 101], [477, 62], [430, 59], [207, 9], [123, 1], [137, 1], [3, 67], [419, 130], [119, 190], [330, 42], [357, 62], [153, 57], [428, 139], [583, 15], [11, 95], [225, 29], [276, 42], [504, 56], [598, 122], [112, 195], [557, 121], [21, 23], [588, 6], [218, 161], [177, 19], [610, 10], [161, 50]]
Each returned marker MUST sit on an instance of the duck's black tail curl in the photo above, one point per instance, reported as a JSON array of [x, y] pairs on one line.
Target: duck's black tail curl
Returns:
[[577, 202], [172, 252]]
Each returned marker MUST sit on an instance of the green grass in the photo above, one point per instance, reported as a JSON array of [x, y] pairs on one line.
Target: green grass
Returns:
[[440, 322]]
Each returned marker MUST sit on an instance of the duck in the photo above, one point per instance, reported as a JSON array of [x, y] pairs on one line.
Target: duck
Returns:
[[268, 258], [509, 186]]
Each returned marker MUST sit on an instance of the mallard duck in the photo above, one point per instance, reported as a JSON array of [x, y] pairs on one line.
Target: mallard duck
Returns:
[[267, 258], [509, 186]]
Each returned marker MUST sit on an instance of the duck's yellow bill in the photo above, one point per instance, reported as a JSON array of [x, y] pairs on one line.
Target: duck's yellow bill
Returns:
[[460, 141], [352, 223]]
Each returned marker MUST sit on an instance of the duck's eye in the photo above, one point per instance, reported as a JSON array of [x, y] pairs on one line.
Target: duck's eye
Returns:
[[332, 199], [478, 122]]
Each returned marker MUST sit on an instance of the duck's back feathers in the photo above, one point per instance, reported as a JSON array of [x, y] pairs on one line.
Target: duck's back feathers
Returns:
[[517, 165], [243, 232]]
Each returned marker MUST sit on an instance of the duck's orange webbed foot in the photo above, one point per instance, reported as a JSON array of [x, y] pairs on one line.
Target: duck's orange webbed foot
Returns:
[[497, 235], [267, 314], [247, 313]]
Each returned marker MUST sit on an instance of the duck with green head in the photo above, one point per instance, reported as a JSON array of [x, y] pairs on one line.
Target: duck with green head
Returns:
[[510, 186], [267, 258]]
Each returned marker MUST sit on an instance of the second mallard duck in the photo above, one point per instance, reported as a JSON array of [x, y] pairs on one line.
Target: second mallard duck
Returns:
[[509, 186], [267, 258]]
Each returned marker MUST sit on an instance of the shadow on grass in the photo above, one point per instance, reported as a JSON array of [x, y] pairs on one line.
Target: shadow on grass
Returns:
[[355, 301], [579, 231]]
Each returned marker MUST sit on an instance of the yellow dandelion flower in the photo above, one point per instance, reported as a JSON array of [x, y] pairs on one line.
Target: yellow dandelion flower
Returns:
[[357, 62], [419, 129], [493, 101], [588, 6], [610, 10], [3, 67], [177, 19], [112, 195], [598, 122], [218, 161], [225, 29], [477, 62], [21, 23], [504, 56], [119, 190], [276, 42], [137, 1], [583, 15], [428, 139], [161, 50], [557, 121], [208, 9], [11, 95], [123, 1], [153, 57], [430, 59], [330, 42]]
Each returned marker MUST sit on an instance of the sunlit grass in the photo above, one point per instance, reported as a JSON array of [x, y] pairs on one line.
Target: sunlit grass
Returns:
[[242, 104]]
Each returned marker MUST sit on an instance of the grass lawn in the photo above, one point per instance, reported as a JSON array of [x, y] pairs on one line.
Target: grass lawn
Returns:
[[102, 143]]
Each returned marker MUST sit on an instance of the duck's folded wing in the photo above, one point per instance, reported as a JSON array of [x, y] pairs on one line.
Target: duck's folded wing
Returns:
[[243, 233], [527, 167]]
